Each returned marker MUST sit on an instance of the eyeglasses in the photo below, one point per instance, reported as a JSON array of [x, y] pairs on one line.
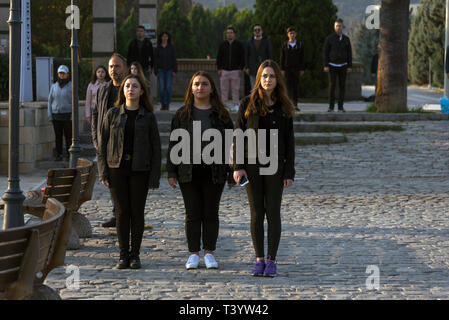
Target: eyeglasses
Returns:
[[257, 30]]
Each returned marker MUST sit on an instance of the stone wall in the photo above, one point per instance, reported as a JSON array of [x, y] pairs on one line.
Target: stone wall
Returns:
[[37, 139], [188, 67]]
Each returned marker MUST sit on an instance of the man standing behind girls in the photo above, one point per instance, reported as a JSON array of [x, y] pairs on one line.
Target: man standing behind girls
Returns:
[[129, 163], [201, 184], [106, 97], [257, 50], [99, 78], [292, 64], [165, 67], [268, 107], [230, 63]]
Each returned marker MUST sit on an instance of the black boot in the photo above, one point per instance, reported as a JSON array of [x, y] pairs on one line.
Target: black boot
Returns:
[[134, 262], [111, 223], [123, 262]]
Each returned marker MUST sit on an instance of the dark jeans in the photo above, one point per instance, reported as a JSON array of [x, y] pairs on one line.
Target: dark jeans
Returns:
[[334, 74], [165, 85], [202, 202], [292, 79], [62, 128], [265, 196], [129, 191]]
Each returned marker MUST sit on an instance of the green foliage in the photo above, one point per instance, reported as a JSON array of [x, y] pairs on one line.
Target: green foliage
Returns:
[[171, 19], [313, 21], [364, 47], [126, 32], [427, 42]]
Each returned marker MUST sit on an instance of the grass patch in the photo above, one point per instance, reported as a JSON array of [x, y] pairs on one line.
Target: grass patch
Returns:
[[372, 109]]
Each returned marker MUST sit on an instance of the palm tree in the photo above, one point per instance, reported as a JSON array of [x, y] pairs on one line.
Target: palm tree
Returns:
[[391, 94]]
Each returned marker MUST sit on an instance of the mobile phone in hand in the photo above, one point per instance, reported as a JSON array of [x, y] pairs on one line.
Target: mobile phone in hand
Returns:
[[243, 181]]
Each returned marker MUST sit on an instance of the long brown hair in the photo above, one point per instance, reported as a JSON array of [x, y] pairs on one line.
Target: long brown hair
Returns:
[[215, 99], [145, 98], [279, 93]]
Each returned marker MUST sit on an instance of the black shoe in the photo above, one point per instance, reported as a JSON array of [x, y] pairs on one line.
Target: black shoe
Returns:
[[330, 110], [297, 109], [341, 110], [164, 107], [123, 263], [110, 223], [134, 263]]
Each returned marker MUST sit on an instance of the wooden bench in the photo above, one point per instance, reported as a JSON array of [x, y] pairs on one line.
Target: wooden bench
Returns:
[[29, 253]]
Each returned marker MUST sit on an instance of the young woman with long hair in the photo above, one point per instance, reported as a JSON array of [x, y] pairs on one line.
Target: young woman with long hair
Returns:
[[165, 67], [268, 107], [99, 78], [129, 163], [201, 184]]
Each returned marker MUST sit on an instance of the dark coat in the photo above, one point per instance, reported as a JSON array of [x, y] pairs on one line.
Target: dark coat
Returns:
[[231, 56], [99, 110], [183, 172], [254, 57], [292, 59], [165, 58], [145, 57], [146, 147], [286, 137], [337, 51]]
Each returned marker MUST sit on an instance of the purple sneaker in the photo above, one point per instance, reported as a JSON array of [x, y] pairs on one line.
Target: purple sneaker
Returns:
[[270, 269], [259, 267]]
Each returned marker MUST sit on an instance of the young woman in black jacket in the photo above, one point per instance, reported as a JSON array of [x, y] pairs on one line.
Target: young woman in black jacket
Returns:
[[268, 107], [129, 163], [201, 183]]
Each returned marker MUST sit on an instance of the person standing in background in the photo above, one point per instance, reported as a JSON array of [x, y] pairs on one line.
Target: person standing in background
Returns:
[[99, 78], [59, 111], [230, 63], [447, 62], [141, 50], [292, 64], [165, 67], [337, 62], [257, 50]]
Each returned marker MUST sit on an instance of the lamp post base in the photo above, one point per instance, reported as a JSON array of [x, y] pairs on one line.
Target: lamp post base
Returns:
[[13, 212]]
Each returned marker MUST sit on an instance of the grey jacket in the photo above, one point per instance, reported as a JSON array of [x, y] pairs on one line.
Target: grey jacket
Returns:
[[254, 57], [146, 148], [59, 99]]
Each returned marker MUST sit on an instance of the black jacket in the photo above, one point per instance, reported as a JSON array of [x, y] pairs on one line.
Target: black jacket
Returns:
[[146, 147], [286, 138], [254, 57], [292, 58], [231, 56], [145, 56], [337, 51], [183, 172], [165, 58]]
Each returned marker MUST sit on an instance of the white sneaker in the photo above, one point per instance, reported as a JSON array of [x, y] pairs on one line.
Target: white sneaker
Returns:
[[193, 262], [210, 262]]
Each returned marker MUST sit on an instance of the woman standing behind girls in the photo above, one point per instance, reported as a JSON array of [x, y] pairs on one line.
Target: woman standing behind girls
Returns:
[[201, 184], [165, 67], [99, 78], [268, 107], [129, 163], [59, 111]]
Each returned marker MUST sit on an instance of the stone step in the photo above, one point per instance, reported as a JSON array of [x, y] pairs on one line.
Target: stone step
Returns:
[[313, 138], [367, 116]]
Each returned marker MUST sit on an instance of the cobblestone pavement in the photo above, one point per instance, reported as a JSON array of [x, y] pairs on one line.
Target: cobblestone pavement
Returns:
[[378, 200]]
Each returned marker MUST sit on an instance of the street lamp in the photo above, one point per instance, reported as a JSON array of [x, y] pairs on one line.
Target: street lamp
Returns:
[[13, 197], [75, 148]]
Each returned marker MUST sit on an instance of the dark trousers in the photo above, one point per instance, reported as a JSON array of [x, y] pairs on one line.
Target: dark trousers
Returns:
[[129, 191], [265, 196], [334, 74], [202, 202], [62, 128], [292, 79]]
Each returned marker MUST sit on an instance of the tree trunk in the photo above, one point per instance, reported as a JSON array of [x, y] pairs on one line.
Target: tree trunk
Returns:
[[391, 94]]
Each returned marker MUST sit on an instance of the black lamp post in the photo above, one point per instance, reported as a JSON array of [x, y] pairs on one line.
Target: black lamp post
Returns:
[[13, 197], [75, 148]]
